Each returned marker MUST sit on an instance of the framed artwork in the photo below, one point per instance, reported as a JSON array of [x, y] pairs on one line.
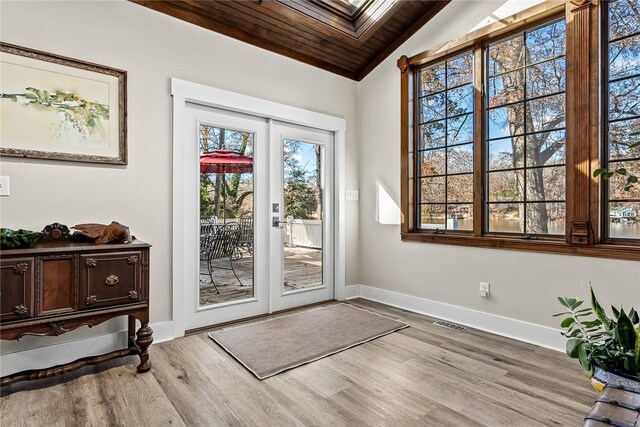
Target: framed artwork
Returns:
[[52, 107]]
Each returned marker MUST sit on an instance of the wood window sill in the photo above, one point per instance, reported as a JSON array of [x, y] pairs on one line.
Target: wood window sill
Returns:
[[599, 250]]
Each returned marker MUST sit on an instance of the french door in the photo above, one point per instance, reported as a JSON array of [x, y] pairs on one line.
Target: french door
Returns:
[[263, 216], [301, 251]]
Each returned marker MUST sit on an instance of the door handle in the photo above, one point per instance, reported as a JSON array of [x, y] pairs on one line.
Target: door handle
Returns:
[[276, 223]]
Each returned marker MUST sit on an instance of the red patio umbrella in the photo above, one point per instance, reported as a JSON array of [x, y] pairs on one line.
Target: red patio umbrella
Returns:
[[225, 161]]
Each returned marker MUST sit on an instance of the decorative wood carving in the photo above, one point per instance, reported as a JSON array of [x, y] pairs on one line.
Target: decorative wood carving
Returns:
[[143, 340], [133, 295], [56, 231], [66, 368], [20, 310], [21, 268], [403, 64], [581, 4], [90, 262], [111, 280], [132, 259], [57, 328], [90, 300]]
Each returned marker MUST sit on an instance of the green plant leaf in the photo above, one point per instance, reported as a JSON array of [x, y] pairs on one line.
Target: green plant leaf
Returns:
[[632, 179], [616, 312], [567, 322], [561, 314], [626, 332], [563, 302], [572, 302], [608, 175], [598, 172], [621, 171], [583, 356], [599, 311], [637, 349], [633, 315], [573, 345], [592, 323]]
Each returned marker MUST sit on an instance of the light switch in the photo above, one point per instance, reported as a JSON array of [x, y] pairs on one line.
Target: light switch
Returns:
[[352, 194], [4, 185]]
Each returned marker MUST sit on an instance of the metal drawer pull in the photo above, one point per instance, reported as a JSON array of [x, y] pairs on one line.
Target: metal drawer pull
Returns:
[[111, 280], [20, 310]]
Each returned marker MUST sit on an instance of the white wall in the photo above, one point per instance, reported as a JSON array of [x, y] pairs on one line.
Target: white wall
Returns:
[[152, 48], [524, 285]]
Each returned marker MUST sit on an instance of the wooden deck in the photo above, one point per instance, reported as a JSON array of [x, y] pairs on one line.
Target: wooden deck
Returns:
[[303, 268]]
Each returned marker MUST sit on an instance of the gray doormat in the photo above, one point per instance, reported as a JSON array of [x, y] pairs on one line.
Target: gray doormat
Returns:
[[269, 347]]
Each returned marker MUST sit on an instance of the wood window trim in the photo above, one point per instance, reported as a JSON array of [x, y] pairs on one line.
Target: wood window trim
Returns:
[[584, 234]]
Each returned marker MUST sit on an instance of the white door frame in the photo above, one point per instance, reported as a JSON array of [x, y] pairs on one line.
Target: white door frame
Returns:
[[185, 91]]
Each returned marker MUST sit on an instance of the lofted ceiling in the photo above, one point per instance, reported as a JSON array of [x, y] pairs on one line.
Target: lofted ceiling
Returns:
[[346, 37]]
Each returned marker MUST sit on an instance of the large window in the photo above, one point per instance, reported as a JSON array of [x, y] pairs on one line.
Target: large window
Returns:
[[623, 205], [445, 154], [504, 128], [525, 130]]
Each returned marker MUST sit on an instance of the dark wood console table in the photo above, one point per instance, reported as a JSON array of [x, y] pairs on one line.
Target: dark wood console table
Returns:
[[57, 286]]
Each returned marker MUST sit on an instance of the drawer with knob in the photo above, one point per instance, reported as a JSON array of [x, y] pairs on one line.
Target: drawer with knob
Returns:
[[108, 279], [16, 288]]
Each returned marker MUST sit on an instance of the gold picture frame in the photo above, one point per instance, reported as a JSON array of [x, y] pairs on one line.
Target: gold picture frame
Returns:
[[58, 108]]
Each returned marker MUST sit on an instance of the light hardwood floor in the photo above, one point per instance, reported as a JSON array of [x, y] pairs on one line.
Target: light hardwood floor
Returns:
[[420, 376]]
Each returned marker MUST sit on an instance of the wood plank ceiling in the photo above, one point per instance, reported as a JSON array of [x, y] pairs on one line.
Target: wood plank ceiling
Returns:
[[349, 38]]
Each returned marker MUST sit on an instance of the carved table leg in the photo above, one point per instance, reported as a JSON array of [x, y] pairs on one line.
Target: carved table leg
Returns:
[[143, 341]]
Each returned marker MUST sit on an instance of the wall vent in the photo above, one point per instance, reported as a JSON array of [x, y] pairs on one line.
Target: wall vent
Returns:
[[449, 325]]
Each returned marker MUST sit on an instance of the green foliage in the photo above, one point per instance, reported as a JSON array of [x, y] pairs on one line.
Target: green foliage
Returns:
[[631, 179], [14, 239], [595, 339], [300, 200], [207, 205]]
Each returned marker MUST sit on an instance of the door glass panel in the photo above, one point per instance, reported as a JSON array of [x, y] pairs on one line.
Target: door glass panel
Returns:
[[303, 214], [226, 215]]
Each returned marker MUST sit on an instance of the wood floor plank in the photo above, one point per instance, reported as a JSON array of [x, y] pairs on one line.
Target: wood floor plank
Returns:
[[424, 375]]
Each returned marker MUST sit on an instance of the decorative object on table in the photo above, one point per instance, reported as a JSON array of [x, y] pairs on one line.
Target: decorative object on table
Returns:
[[608, 348], [56, 231], [101, 233], [60, 108], [15, 239], [57, 286], [271, 346]]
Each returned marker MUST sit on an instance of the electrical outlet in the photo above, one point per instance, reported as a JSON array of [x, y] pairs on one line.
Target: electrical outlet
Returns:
[[4, 185], [484, 289], [352, 195]]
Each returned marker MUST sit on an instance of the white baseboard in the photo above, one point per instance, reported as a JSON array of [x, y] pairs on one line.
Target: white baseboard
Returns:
[[531, 333], [351, 291], [43, 357]]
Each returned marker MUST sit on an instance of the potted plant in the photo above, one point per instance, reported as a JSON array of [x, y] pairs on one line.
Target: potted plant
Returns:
[[607, 347]]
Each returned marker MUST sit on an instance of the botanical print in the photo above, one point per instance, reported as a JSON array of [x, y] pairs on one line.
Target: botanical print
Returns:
[[85, 117], [60, 109]]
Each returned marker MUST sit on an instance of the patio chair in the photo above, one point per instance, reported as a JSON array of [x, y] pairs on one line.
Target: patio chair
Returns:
[[246, 235], [222, 246], [207, 231]]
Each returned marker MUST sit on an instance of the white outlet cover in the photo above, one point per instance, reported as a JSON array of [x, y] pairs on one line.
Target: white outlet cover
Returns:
[[352, 194]]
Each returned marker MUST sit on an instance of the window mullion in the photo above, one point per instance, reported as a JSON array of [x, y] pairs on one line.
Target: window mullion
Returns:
[[478, 140]]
